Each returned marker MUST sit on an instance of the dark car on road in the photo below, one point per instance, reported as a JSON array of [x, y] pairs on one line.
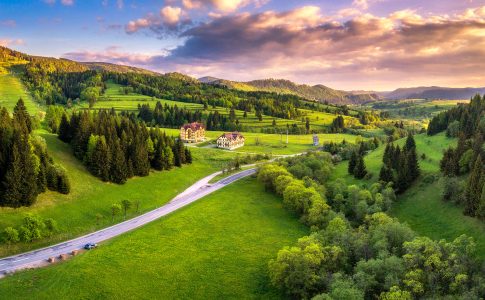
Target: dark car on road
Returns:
[[90, 246]]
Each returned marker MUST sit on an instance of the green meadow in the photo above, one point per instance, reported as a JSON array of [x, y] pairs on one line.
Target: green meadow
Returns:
[[216, 248], [114, 98], [11, 90], [87, 207], [421, 206]]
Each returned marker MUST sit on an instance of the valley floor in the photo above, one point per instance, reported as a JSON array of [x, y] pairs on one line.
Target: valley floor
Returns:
[[216, 248]]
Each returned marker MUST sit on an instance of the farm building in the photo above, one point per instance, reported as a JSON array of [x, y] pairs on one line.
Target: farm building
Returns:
[[192, 133], [230, 141]]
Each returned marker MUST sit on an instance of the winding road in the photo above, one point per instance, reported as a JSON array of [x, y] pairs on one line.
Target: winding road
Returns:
[[39, 257]]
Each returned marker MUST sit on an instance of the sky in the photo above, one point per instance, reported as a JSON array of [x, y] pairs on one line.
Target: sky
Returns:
[[344, 44]]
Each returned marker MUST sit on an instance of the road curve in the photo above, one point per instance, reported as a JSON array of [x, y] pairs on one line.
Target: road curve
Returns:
[[198, 190]]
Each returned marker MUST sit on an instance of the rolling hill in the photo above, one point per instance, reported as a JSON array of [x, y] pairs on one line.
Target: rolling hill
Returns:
[[434, 92], [317, 92]]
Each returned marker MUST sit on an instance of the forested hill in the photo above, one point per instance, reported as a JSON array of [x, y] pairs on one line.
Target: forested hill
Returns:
[[66, 65], [435, 92], [317, 92]]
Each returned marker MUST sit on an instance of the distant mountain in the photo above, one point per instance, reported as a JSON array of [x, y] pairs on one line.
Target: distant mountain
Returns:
[[434, 92], [317, 92]]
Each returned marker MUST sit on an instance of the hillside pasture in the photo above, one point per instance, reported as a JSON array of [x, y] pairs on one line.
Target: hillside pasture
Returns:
[[11, 90], [87, 207], [215, 248]]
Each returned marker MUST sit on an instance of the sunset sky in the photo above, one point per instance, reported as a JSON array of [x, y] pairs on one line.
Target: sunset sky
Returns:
[[351, 45]]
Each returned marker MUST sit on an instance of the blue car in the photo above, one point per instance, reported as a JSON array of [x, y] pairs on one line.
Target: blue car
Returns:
[[90, 246]]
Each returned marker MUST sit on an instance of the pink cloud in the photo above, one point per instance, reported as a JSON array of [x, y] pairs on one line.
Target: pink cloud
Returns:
[[112, 54], [6, 42], [67, 2]]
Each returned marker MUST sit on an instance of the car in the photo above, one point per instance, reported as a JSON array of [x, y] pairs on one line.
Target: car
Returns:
[[90, 246]]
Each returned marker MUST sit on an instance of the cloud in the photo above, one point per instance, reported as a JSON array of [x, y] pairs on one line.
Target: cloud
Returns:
[[8, 23], [111, 54], [134, 26], [171, 15], [6, 42], [171, 20], [305, 45], [63, 2], [222, 5]]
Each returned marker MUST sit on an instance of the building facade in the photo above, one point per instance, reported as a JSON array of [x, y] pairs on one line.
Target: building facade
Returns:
[[316, 140], [230, 141], [192, 133]]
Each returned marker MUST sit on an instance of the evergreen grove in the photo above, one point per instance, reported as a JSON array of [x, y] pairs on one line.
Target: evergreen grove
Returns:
[[400, 166], [115, 147], [26, 169], [467, 123]]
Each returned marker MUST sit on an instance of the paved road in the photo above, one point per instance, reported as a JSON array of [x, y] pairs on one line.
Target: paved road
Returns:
[[193, 193]]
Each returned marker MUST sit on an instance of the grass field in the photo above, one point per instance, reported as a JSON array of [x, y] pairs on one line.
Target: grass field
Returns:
[[274, 143], [113, 97], [421, 205], [76, 213], [423, 209], [432, 147], [418, 109], [11, 89], [216, 248]]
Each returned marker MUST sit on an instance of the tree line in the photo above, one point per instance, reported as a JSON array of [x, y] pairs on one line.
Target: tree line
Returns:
[[356, 251], [167, 116], [26, 169], [115, 147], [467, 122]]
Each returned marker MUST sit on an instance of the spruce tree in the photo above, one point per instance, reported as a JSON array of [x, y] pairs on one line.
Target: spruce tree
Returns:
[[188, 156], [474, 187], [20, 183], [360, 169], [410, 143], [22, 117], [352, 162], [168, 158], [402, 180], [118, 173], [65, 133], [412, 164], [386, 174]]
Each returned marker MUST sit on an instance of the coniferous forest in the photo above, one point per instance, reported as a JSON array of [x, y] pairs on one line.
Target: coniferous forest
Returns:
[[467, 123], [115, 148], [26, 170]]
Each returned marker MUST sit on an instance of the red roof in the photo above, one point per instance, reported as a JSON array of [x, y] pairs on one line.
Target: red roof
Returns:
[[232, 135], [193, 126]]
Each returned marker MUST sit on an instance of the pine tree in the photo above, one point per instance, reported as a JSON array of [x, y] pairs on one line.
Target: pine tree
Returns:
[[402, 180], [410, 143], [352, 162], [474, 187], [360, 169], [179, 153], [386, 174], [188, 156], [118, 171], [412, 165], [100, 160], [65, 133], [20, 183], [387, 157], [168, 158], [22, 117]]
